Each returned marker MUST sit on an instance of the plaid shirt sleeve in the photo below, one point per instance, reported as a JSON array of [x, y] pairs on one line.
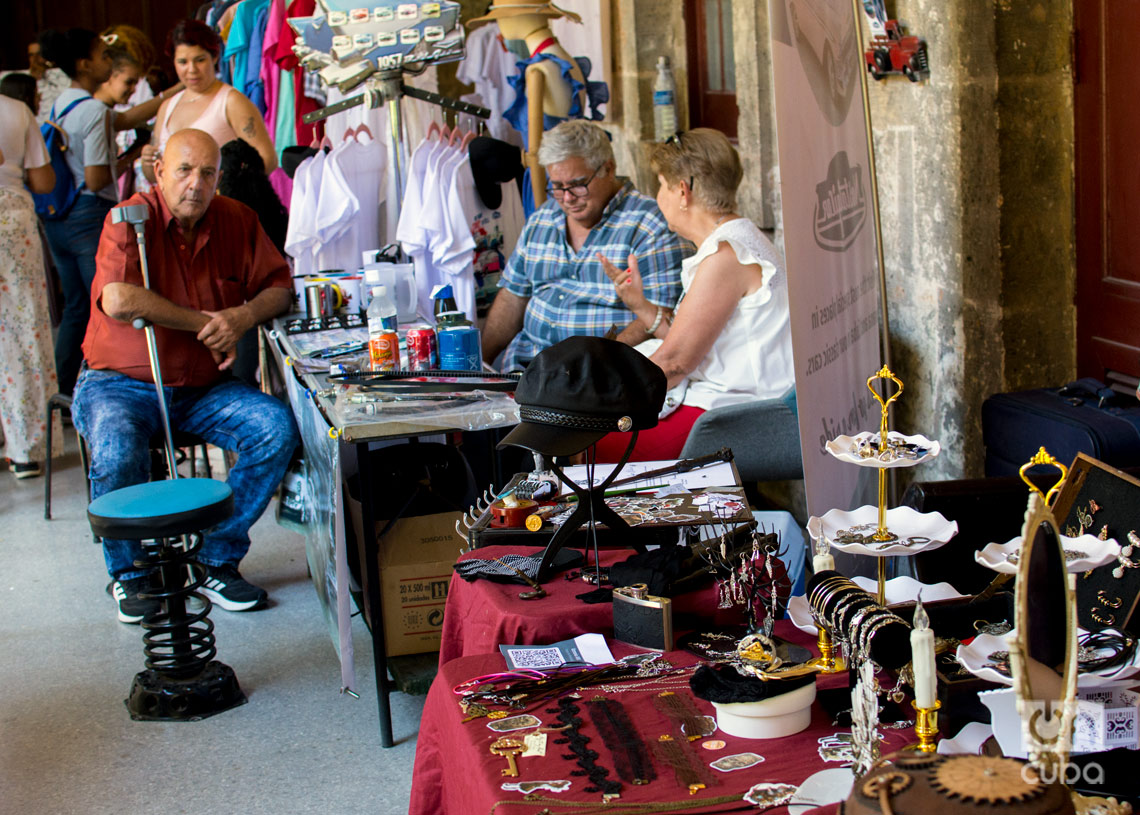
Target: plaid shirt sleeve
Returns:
[[659, 254]]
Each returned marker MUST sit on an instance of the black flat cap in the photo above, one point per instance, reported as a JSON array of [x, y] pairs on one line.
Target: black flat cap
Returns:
[[582, 388]]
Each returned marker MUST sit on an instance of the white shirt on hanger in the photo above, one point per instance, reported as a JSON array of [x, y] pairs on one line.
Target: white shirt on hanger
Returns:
[[487, 65], [300, 237]]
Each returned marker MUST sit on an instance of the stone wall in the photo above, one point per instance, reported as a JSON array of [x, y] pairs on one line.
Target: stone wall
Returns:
[[975, 184]]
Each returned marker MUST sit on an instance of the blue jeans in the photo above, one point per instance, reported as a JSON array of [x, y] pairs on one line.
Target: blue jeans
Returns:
[[119, 415], [73, 242]]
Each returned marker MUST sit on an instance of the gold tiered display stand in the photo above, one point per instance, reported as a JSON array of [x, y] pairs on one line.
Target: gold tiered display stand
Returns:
[[876, 530]]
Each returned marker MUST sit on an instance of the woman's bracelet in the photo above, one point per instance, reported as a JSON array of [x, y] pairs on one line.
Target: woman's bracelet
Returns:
[[657, 322]]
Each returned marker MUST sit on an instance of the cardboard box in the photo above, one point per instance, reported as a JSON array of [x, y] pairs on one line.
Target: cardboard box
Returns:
[[416, 557]]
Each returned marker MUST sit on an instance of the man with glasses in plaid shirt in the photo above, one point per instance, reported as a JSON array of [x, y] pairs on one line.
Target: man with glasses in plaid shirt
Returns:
[[554, 285]]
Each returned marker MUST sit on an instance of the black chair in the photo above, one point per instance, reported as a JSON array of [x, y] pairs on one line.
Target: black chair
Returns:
[[182, 442], [764, 437]]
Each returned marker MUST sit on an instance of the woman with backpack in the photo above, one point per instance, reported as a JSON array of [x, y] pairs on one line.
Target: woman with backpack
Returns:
[[26, 376], [73, 232]]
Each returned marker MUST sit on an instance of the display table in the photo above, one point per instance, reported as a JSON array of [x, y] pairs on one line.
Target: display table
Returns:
[[455, 773], [337, 433], [482, 615]]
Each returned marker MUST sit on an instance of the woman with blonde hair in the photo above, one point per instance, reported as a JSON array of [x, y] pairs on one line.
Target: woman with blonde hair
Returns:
[[729, 339]]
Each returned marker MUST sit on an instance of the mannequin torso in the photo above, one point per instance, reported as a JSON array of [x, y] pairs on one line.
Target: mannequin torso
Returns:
[[547, 92]]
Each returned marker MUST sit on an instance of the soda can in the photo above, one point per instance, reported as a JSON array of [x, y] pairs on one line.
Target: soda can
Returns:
[[459, 349], [423, 352], [384, 350]]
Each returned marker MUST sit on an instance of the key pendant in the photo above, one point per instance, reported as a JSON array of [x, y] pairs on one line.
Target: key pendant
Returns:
[[508, 748]]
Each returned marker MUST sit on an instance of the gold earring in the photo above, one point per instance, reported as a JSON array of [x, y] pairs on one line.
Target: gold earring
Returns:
[[1109, 620], [1115, 602]]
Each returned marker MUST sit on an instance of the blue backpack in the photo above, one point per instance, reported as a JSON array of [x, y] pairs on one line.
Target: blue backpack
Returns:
[[54, 205]]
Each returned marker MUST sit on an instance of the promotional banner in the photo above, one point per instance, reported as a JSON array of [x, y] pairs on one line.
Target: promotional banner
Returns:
[[829, 239]]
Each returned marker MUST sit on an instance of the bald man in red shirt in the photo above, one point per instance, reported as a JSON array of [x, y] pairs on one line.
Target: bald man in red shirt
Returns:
[[214, 274]]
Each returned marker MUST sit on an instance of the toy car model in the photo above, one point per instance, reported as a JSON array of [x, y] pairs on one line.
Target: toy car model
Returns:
[[895, 53]]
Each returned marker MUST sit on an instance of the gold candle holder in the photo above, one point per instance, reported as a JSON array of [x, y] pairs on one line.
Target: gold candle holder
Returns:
[[926, 727], [827, 662]]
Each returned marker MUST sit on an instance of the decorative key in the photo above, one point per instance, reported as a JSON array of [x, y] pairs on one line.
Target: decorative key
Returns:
[[508, 748], [473, 710]]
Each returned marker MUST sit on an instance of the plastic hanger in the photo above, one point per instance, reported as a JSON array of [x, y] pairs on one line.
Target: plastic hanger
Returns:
[[467, 139], [433, 130], [363, 128]]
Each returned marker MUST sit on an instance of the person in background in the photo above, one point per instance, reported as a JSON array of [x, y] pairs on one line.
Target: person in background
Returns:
[[50, 80], [207, 103], [730, 339], [73, 239], [554, 287], [130, 53], [27, 378], [21, 87]]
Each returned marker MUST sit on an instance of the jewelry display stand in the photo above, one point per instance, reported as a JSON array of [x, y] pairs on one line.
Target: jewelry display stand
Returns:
[[876, 530], [1083, 552]]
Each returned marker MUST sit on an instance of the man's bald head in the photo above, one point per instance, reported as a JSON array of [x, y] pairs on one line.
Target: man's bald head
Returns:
[[187, 174]]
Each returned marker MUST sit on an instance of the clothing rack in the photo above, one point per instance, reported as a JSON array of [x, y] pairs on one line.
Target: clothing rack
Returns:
[[388, 86]]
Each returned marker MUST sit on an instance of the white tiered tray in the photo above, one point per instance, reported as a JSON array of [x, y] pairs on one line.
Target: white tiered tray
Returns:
[[1097, 552], [973, 658], [902, 521], [900, 590], [843, 447]]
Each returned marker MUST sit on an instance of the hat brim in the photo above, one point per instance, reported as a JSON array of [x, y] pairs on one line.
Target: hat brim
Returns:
[[550, 440], [552, 11]]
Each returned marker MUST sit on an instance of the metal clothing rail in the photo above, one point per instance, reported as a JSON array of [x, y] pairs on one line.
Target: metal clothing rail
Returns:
[[405, 90], [388, 86]]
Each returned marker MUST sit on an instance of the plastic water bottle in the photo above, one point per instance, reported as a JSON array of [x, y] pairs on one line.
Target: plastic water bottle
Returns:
[[381, 311], [383, 341], [664, 102]]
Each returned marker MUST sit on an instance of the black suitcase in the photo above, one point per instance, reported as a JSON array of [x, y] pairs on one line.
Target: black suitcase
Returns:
[[1082, 417]]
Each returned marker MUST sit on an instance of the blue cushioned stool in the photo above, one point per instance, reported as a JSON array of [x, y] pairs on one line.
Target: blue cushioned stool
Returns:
[[183, 681]]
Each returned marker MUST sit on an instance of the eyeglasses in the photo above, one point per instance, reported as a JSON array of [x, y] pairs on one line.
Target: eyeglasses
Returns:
[[576, 190], [676, 139]]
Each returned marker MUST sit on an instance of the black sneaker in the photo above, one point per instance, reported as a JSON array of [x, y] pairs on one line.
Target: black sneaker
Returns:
[[227, 588], [133, 608], [25, 469]]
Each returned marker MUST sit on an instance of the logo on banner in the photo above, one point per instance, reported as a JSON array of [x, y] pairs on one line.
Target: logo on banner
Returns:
[[841, 205]]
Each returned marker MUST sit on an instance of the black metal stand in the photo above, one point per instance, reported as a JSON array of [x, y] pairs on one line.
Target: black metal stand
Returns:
[[592, 508], [182, 681]]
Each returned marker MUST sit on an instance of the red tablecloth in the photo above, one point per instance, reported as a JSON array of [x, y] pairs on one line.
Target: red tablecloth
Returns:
[[455, 773], [482, 615]]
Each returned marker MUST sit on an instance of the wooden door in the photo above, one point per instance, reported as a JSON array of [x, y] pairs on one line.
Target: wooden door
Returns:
[[712, 66], [1107, 189]]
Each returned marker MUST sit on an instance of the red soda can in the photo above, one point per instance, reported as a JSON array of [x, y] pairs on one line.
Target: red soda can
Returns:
[[423, 352], [384, 349]]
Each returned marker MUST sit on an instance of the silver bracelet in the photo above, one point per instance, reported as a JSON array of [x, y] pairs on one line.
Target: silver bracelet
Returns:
[[657, 323]]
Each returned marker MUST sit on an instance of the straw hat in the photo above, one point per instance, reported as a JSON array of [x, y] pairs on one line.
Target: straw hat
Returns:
[[516, 8]]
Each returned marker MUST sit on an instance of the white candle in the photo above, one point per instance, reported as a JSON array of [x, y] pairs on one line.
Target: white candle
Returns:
[[922, 659], [822, 561]]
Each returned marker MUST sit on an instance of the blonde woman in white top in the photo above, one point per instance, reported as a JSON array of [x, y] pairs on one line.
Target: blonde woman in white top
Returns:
[[729, 338]]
